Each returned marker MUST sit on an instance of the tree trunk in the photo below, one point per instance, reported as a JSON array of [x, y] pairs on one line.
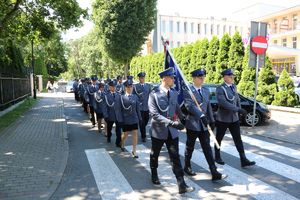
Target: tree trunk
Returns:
[[126, 66]]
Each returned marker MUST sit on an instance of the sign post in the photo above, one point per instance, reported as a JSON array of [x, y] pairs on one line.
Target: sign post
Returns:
[[258, 49]]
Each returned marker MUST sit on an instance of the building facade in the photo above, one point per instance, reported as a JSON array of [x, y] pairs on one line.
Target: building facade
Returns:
[[284, 39], [185, 30]]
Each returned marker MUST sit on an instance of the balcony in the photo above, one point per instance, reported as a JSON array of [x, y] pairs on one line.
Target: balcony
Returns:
[[285, 30]]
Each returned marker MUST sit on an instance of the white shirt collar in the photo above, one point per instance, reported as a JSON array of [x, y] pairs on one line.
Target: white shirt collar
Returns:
[[163, 89], [228, 84], [197, 88], [126, 94]]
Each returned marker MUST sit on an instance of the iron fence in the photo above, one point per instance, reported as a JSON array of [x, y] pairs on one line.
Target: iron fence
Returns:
[[13, 89]]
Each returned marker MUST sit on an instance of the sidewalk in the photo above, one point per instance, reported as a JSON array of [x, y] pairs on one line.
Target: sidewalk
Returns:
[[34, 152]]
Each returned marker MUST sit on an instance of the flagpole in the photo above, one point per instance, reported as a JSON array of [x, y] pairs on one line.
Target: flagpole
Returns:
[[190, 91]]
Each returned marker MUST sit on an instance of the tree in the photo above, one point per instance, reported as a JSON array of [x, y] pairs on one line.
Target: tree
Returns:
[[194, 55], [185, 61], [222, 59], [246, 85], [236, 54], [124, 26], [212, 54], [266, 84], [286, 95], [202, 54]]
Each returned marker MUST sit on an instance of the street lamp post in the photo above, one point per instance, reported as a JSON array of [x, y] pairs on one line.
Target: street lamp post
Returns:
[[32, 63]]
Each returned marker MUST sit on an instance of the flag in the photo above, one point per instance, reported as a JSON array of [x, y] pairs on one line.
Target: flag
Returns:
[[178, 82]]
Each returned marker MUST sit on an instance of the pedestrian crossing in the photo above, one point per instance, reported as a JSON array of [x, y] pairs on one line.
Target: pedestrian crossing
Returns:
[[241, 183]]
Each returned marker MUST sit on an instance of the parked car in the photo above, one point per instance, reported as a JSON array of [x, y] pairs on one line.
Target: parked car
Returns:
[[69, 86], [262, 113], [297, 91]]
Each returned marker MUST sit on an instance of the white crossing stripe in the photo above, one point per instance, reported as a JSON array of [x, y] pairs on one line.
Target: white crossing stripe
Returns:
[[264, 162], [167, 178], [270, 146], [109, 179], [242, 183], [260, 45]]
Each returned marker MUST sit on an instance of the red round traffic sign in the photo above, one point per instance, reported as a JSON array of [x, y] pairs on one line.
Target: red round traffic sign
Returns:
[[259, 44]]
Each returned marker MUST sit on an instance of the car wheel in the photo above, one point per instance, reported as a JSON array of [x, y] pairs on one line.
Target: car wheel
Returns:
[[249, 116]]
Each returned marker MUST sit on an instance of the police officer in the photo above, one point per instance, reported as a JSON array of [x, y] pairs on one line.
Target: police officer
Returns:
[[229, 108], [112, 112], [85, 104], [99, 104], [164, 128], [196, 124], [130, 109], [142, 90], [75, 89], [106, 87], [91, 89], [81, 90], [119, 86]]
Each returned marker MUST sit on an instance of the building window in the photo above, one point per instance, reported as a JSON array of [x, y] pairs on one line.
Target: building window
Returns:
[[236, 29], [295, 42], [171, 44], [178, 44], [275, 42], [284, 25], [295, 19], [284, 42], [275, 26], [205, 29], [229, 31], [218, 29], [171, 26], [163, 26], [224, 29], [185, 27], [192, 28], [178, 27], [185, 43], [199, 29], [212, 29], [241, 31]]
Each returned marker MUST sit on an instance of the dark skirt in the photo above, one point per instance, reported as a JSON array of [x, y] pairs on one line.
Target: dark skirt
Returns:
[[129, 127]]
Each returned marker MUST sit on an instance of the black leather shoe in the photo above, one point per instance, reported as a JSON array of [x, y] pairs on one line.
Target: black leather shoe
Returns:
[[219, 161], [182, 186], [134, 155], [218, 176], [144, 140], [154, 177], [246, 163], [122, 149], [189, 171], [108, 140]]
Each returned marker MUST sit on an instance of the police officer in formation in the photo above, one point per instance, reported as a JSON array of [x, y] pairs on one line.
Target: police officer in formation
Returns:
[[130, 110], [112, 112], [119, 86], [91, 89], [142, 90], [99, 105], [196, 124], [75, 89], [163, 107], [229, 108]]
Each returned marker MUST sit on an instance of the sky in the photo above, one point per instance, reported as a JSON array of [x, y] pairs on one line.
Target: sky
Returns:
[[190, 8]]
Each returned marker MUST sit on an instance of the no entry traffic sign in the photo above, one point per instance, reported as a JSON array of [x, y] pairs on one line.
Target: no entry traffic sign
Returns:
[[259, 45]]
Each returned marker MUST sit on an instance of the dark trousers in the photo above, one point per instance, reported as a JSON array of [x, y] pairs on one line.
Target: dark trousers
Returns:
[[76, 95], [172, 146], [203, 137], [92, 113], [143, 123], [85, 105], [118, 131], [234, 129]]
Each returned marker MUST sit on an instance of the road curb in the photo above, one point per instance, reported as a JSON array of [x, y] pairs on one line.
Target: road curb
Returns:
[[284, 109], [65, 153]]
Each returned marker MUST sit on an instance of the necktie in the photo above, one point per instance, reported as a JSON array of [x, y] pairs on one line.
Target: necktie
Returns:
[[200, 93], [168, 94], [232, 89], [114, 95]]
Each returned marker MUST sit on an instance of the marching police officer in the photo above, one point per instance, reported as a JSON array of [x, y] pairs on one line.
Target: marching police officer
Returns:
[[99, 104], [228, 117], [196, 124], [91, 89], [112, 112], [75, 89], [119, 86], [164, 128], [81, 90], [85, 103], [130, 109], [106, 86], [142, 90]]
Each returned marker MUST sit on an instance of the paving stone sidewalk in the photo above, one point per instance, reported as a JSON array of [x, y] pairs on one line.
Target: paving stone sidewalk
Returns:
[[34, 152]]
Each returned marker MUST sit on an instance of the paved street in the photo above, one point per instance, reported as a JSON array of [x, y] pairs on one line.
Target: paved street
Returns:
[[98, 170]]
